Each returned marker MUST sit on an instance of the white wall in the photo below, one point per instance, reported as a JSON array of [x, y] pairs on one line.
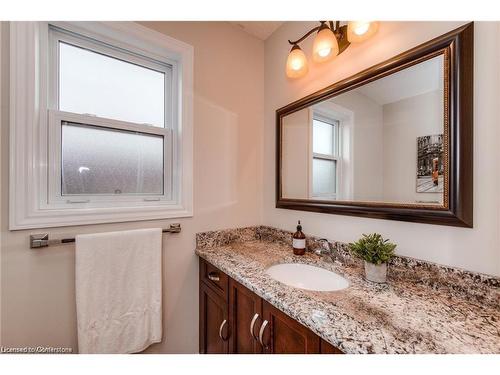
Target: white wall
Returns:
[[404, 121], [367, 143], [475, 249], [37, 286]]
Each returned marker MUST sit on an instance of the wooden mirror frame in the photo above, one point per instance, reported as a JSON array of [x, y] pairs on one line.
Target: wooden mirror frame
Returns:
[[458, 49]]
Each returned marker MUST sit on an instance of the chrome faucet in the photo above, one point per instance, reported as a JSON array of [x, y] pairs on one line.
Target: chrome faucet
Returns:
[[326, 248]]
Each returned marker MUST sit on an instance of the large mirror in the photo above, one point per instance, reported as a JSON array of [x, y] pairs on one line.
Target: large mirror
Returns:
[[390, 142]]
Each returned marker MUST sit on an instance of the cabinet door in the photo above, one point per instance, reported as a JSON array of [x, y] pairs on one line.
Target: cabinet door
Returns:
[[327, 348], [245, 313], [214, 325], [283, 335]]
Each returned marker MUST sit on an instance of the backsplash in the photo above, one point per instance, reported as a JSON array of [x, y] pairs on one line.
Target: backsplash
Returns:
[[480, 287], [226, 236]]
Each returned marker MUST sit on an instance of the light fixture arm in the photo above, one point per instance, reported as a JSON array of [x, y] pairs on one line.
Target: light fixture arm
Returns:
[[305, 36], [332, 25], [339, 31], [337, 27]]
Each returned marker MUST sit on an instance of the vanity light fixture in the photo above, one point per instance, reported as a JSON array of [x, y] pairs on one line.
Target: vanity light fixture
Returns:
[[325, 44], [296, 63], [331, 40]]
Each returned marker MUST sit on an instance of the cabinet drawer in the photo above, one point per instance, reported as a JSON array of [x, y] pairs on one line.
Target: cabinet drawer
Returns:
[[214, 278]]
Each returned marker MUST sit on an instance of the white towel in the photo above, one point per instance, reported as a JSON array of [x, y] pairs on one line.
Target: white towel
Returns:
[[118, 291]]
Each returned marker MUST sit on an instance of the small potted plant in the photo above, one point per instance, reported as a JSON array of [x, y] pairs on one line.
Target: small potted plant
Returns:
[[376, 252]]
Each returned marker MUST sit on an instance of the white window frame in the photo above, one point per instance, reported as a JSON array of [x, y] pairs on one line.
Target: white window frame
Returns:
[[35, 201], [336, 154]]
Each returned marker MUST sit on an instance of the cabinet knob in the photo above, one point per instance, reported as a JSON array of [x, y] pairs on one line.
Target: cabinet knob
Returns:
[[214, 276], [261, 333], [221, 328], [252, 324]]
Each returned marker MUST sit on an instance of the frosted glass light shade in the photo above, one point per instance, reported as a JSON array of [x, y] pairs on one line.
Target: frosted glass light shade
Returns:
[[296, 63], [325, 45], [359, 31]]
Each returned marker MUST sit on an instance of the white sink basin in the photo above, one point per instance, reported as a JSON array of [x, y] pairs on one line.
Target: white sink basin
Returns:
[[307, 277]]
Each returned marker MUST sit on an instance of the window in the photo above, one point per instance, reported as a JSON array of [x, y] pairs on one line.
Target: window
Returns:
[[112, 113], [114, 125], [110, 161], [325, 165], [122, 88]]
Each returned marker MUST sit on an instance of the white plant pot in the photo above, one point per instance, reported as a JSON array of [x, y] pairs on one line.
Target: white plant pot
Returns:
[[376, 272]]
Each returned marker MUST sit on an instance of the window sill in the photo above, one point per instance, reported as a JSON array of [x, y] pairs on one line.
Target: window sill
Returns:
[[83, 216]]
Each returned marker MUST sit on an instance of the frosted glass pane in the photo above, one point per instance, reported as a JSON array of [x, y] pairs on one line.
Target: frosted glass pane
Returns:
[[322, 138], [324, 174], [107, 87], [105, 161]]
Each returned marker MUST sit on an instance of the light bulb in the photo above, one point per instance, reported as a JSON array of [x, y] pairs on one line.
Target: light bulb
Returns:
[[324, 52], [296, 63], [359, 31], [325, 45]]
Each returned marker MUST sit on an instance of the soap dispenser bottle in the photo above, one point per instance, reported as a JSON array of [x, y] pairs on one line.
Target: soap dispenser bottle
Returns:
[[299, 241]]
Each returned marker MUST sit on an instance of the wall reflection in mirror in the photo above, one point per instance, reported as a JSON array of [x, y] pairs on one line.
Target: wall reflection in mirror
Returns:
[[383, 141]]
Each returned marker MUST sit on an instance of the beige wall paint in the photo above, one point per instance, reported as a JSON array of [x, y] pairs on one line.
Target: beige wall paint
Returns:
[[475, 249], [296, 130], [37, 286]]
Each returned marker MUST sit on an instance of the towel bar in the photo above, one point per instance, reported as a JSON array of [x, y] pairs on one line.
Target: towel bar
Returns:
[[42, 239]]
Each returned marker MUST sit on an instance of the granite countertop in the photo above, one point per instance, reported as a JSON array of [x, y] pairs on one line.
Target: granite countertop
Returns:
[[405, 315]]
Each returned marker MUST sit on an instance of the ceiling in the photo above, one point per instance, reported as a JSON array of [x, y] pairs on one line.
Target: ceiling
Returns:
[[259, 29], [418, 79]]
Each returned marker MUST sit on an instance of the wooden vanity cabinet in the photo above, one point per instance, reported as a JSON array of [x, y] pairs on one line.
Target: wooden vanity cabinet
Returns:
[[214, 326], [284, 335], [326, 348], [245, 314], [232, 318]]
